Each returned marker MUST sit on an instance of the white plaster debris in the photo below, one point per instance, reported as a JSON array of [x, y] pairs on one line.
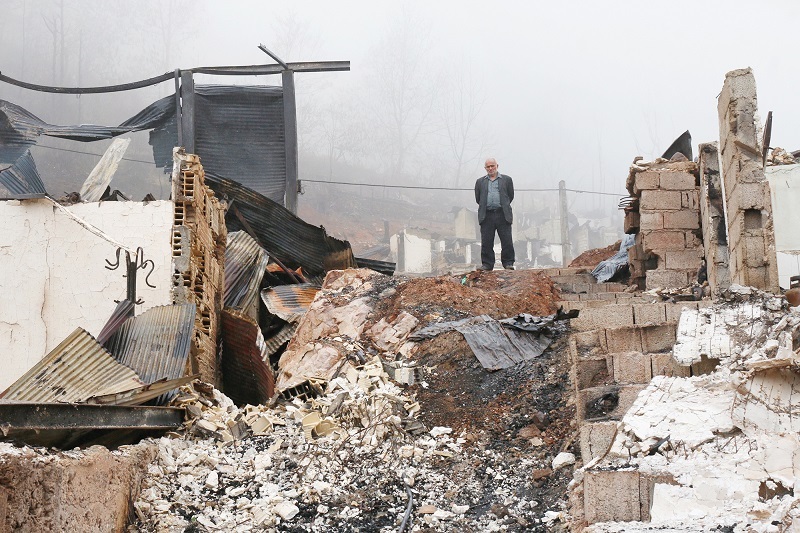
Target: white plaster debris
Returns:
[[714, 442], [563, 459], [288, 475]]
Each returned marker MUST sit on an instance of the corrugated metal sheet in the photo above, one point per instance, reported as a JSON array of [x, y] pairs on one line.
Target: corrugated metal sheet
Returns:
[[239, 133], [22, 180], [122, 312], [245, 262], [73, 371], [384, 267], [156, 343], [246, 371], [289, 302], [139, 395], [274, 343], [287, 237]]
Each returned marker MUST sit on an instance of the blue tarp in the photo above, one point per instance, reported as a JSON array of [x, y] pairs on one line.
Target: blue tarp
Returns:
[[608, 269]]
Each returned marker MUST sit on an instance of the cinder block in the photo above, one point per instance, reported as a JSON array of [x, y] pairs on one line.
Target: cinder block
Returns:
[[663, 364], [623, 340], [749, 195], [677, 181], [596, 438], [632, 367], [658, 338], [590, 342], [663, 240], [591, 372], [683, 259], [666, 279], [674, 310], [754, 251], [660, 200], [645, 181], [651, 220], [631, 223], [649, 314], [612, 496], [690, 200], [606, 402], [683, 219], [605, 316]]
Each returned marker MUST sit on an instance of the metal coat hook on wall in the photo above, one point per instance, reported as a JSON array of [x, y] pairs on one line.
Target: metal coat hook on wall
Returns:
[[137, 263]]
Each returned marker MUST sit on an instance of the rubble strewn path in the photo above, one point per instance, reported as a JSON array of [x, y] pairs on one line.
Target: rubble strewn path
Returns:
[[460, 449]]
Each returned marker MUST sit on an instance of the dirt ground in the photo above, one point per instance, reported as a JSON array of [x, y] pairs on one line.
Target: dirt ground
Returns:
[[591, 258]]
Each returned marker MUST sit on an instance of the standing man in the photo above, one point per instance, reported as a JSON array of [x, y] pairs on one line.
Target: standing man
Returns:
[[494, 193]]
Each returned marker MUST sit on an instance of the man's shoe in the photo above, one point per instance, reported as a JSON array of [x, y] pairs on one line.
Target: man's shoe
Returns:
[[484, 267], [509, 267]]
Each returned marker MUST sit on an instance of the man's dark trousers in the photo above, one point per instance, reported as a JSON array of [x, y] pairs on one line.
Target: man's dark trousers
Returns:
[[496, 221]]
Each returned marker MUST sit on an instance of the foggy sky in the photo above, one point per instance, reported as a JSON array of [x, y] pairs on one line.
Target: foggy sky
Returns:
[[572, 91]]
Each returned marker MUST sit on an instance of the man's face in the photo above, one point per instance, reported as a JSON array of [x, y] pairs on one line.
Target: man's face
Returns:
[[491, 168]]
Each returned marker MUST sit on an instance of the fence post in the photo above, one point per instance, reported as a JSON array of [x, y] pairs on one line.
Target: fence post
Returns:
[[563, 215]]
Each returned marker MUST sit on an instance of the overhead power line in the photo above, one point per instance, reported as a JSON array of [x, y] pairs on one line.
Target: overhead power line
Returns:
[[516, 189]]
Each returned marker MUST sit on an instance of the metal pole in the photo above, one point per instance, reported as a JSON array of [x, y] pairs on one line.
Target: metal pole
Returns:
[[187, 110], [290, 139], [178, 106], [563, 215]]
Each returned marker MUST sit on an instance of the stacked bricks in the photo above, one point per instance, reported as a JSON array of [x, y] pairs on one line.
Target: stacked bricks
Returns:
[[751, 236], [712, 217], [668, 249], [198, 255]]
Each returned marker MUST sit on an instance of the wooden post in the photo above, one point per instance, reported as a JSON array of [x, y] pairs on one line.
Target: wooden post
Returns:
[[563, 215]]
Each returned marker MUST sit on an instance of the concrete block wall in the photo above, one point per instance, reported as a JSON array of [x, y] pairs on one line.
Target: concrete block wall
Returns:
[[667, 251], [712, 218], [751, 236]]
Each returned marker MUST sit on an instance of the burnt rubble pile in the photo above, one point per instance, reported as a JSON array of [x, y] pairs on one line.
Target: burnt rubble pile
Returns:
[[352, 447]]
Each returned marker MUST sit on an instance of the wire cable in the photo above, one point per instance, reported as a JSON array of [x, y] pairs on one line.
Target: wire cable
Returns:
[[451, 188]]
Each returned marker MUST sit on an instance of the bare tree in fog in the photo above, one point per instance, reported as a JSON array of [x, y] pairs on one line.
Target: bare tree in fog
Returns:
[[405, 91], [460, 109]]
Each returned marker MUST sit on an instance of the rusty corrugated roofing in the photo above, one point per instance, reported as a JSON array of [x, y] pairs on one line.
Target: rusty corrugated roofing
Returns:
[[246, 370], [283, 336], [245, 262], [289, 302], [73, 371], [156, 343], [290, 239]]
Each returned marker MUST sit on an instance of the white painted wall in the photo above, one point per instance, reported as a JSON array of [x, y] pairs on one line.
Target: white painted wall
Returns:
[[417, 253], [784, 185], [53, 277]]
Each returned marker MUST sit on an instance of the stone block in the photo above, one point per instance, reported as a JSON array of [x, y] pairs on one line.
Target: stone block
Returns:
[[649, 314], [663, 240], [666, 279], [663, 364], [674, 310], [646, 181], [632, 367], [596, 438], [612, 496], [693, 240], [683, 259], [690, 200], [651, 220], [659, 338], [623, 340], [677, 181], [683, 219], [660, 200], [606, 402]]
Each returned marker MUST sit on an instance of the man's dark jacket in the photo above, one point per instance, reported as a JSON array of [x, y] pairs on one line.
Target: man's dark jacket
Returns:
[[506, 196]]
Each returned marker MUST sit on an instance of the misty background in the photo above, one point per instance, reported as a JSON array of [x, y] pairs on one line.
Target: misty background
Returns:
[[567, 92]]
